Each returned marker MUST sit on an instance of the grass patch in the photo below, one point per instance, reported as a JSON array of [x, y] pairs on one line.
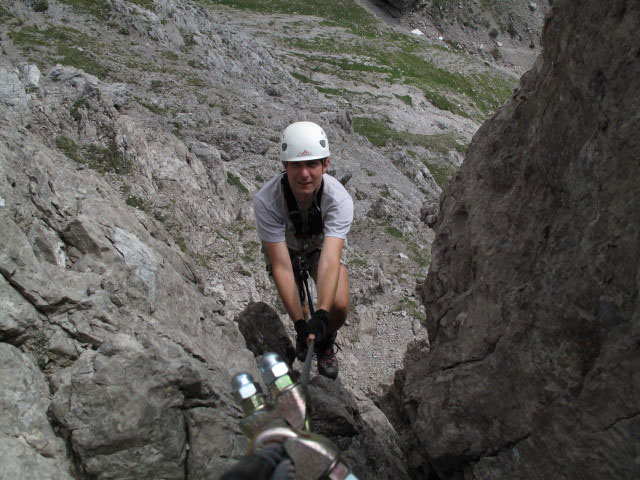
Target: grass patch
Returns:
[[235, 182], [394, 232], [302, 78], [441, 173], [74, 112], [418, 255], [41, 6], [411, 308], [250, 248], [340, 13], [151, 107], [381, 135], [96, 157], [5, 14], [137, 202], [359, 262], [147, 4], [170, 55], [101, 9], [399, 59], [406, 99], [68, 44], [182, 244]]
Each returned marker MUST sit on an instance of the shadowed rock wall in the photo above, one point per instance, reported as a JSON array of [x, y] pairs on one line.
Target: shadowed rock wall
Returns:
[[533, 370]]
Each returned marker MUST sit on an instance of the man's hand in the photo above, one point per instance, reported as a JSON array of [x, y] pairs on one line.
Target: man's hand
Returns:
[[317, 326]]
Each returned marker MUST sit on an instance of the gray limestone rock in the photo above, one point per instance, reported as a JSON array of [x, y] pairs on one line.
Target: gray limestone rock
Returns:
[[531, 295], [368, 442], [28, 444], [264, 332]]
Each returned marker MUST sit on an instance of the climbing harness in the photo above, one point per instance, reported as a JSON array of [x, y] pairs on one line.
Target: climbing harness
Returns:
[[307, 223]]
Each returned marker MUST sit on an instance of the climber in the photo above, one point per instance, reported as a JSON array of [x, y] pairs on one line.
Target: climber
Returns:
[[303, 211]]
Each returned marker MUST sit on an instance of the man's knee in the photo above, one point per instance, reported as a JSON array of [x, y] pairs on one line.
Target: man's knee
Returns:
[[340, 310]]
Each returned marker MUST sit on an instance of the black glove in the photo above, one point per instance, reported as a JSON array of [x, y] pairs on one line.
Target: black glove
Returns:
[[258, 466], [318, 325]]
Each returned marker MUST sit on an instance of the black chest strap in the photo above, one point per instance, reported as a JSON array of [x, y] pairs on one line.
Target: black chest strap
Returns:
[[306, 223]]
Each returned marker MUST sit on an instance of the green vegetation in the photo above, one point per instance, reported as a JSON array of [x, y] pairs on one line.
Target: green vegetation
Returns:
[[137, 202], [392, 56], [405, 99], [170, 55], [68, 44], [98, 158], [152, 108], [380, 135], [75, 114], [441, 173], [394, 232], [182, 244], [360, 195], [411, 308], [4, 14], [101, 9], [41, 6], [148, 4], [399, 61], [251, 248], [301, 77], [235, 181], [358, 262], [418, 255], [340, 13]]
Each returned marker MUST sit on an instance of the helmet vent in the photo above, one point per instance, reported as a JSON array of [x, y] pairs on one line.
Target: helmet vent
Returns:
[[284, 147], [323, 143]]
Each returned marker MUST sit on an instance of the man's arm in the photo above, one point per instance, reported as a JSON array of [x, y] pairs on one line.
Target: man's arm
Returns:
[[328, 272], [284, 279]]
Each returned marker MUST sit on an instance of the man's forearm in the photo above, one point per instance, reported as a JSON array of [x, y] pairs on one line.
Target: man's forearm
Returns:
[[328, 272], [288, 291]]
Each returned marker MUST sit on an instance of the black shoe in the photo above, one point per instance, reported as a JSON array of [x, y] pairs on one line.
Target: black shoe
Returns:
[[327, 360], [301, 340]]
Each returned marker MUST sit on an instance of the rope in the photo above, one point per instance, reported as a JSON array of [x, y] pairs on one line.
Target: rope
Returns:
[[303, 265]]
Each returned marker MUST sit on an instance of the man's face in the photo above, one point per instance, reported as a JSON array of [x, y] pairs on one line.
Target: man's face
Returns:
[[305, 177]]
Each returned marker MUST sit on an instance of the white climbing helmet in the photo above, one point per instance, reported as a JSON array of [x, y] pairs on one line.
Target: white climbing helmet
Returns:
[[303, 141]]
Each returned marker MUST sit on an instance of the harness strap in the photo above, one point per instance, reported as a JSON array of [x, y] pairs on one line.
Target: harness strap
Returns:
[[307, 223]]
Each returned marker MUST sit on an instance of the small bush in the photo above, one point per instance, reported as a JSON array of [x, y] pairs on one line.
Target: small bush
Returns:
[[75, 114], [136, 202], [41, 6], [493, 33]]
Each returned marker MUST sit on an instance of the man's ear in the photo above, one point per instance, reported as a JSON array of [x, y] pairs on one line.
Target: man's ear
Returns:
[[325, 166]]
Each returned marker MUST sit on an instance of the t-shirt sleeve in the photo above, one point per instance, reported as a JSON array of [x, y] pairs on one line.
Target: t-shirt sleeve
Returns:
[[271, 226], [338, 220]]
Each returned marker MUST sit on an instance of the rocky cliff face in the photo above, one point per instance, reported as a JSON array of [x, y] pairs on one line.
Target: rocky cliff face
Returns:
[[533, 289]]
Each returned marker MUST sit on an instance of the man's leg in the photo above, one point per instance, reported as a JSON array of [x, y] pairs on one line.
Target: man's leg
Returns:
[[340, 308], [327, 361]]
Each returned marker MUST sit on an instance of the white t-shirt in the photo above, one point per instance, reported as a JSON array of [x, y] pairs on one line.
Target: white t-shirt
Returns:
[[272, 216]]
